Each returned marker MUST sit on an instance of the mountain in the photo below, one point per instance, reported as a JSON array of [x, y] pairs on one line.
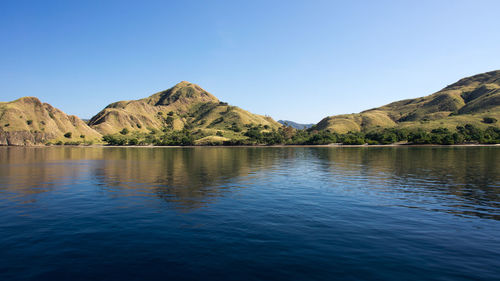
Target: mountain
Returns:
[[28, 121], [295, 125], [186, 105], [469, 100]]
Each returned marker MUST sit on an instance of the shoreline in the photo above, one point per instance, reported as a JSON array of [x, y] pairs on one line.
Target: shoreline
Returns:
[[256, 146]]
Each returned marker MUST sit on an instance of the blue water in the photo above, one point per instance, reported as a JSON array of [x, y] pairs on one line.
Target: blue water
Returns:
[[395, 213]]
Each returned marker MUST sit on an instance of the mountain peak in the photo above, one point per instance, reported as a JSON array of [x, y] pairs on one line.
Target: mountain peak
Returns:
[[29, 100], [184, 92], [185, 105], [183, 83]]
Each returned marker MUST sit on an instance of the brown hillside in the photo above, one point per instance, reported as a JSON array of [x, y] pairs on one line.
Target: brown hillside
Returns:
[[184, 105], [28, 121], [469, 100]]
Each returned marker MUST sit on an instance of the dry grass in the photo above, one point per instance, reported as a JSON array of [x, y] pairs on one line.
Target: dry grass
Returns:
[[184, 105], [467, 101], [30, 115], [211, 140]]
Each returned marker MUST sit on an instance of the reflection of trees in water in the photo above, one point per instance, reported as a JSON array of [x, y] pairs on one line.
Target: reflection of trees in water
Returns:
[[187, 177], [35, 170], [470, 174]]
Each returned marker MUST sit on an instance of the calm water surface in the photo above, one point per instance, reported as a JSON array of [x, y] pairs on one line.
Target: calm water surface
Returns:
[[395, 213]]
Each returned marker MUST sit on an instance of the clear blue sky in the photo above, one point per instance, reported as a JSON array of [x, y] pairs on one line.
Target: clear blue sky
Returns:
[[296, 60]]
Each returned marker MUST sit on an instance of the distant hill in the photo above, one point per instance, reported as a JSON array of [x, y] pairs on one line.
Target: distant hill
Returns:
[[186, 105], [295, 125], [469, 100], [28, 121]]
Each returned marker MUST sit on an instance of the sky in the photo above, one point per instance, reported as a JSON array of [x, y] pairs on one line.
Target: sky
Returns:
[[292, 60]]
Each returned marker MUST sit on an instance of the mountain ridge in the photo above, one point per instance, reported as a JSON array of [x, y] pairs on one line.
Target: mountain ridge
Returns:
[[189, 109], [472, 98]]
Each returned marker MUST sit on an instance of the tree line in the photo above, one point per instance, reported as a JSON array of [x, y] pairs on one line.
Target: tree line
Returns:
[[263, 135]]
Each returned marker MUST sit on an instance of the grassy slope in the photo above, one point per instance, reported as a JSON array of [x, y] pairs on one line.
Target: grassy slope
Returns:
[[184, 105], [28, 117], [466, 101]]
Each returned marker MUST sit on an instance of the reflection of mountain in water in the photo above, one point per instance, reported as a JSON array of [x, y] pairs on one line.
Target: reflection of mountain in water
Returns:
[[454, 179], [188, 177], [464, 177], [34, 170]]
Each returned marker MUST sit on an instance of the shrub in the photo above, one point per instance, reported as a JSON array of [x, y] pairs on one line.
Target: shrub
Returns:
[[189, 126], [384, 137], [458, 138], [471, 132], [253, 133], [217, 121], [321, 137], [219, 133], [68, 135], [114, 139], [352, 139], [419, 137], [184, 137], [236, 129], [133, 141], [124, 131], [7, 125], [82, 136], [169, 120], [29, 122], [489, 120]]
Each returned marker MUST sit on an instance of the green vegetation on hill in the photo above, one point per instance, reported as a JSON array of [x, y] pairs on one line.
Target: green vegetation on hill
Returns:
[[463, 134], [258, 135], [468, 101], [186, 136]]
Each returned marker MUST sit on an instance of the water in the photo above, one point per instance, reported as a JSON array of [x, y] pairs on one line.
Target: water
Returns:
[[395, 213]]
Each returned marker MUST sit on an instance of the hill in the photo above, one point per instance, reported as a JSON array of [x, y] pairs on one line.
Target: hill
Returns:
[[295, 125], [28, 121], [469, 100], [185, 105]]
